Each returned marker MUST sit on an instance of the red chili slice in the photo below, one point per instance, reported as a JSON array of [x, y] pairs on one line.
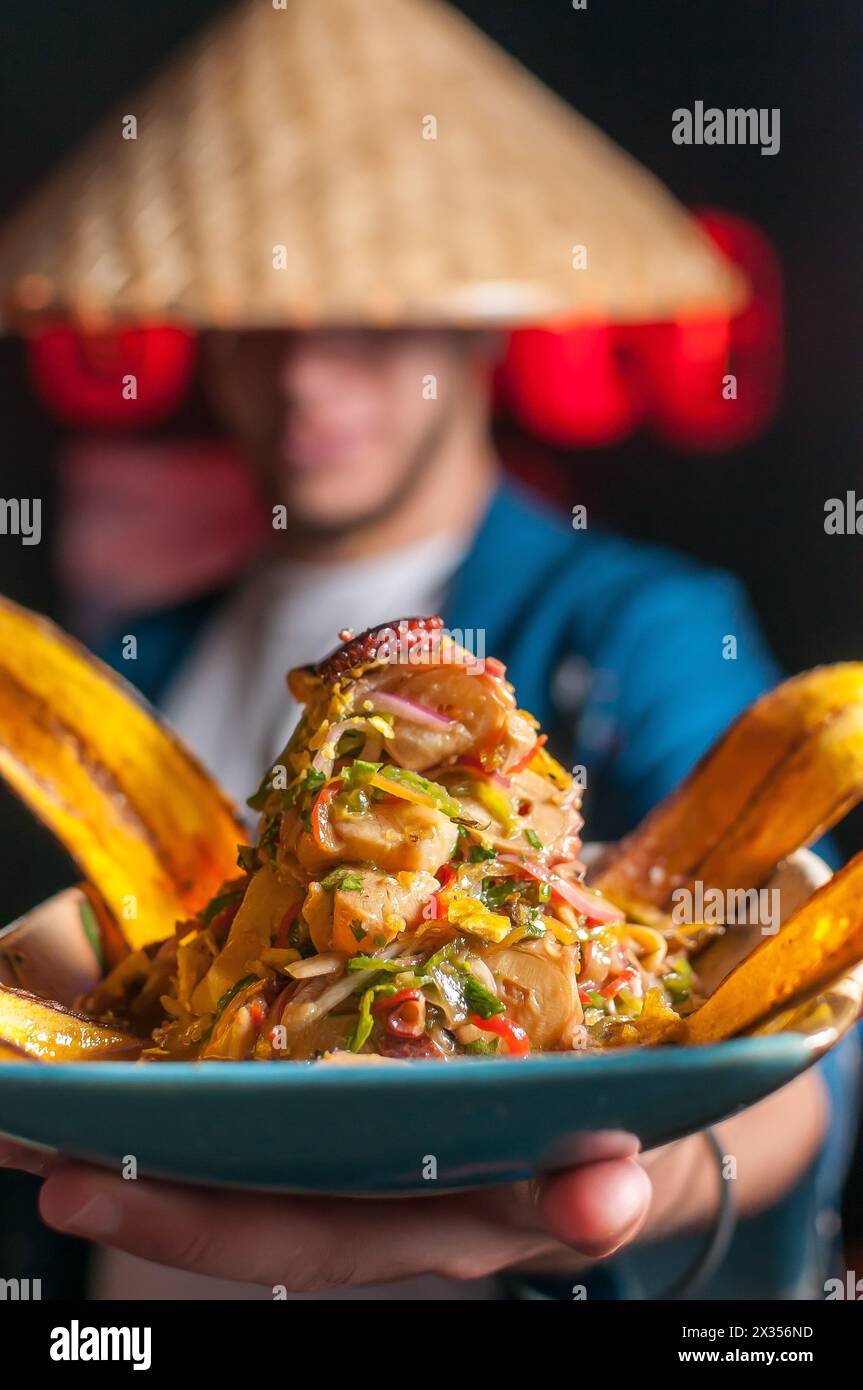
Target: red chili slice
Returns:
[[223, 920], [390, 1001], [282, 938], [432, 907], [515, 1039], [321, 815], [397, 1024], [528, 757], [616, 985]]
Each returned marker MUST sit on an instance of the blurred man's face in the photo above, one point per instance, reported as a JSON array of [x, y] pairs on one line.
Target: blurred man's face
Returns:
[[344, 422]]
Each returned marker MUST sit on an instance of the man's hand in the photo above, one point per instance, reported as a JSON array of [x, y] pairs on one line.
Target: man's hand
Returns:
[[307, 1243]]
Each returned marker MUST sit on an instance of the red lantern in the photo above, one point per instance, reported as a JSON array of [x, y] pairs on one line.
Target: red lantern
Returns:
[[716, 382], [571, 388], [119, 380], [702, 384]]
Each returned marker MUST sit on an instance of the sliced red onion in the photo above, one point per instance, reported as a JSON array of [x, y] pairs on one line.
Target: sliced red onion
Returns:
[[323, 762], [409, 710], [581, 899]]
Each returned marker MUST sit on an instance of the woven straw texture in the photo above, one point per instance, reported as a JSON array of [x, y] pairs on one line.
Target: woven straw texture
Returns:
[[282, 174]]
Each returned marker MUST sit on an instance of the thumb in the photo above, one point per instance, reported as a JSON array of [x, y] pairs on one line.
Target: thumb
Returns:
[[598, 1208]]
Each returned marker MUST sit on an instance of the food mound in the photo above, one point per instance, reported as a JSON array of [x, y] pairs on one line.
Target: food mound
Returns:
[[415, 891]]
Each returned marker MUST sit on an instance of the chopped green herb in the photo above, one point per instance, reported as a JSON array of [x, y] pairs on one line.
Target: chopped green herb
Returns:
[[306, 786], [678, 981], [230, 993], [298, 936], [362, 1029], [532, 838], [479, 999], [495, 892], [392, 967], [457, 984], [447, 952], [91, 930], [533, 928], [403, 777], [461, 834], [358, 774], [269, 839], [312, 781], [341, 877], [358, 929], [478, 853], [351, 741], [355, 803], [209, 913], [482, 1047], [261, 796]]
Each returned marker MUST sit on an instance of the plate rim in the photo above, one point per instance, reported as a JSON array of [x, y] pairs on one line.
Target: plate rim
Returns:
[[792, 1047]]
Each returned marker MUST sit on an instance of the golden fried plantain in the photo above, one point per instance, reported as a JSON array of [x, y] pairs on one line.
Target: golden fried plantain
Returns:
[[786, 770], [54, 1034], [147, 825], [820, 940]]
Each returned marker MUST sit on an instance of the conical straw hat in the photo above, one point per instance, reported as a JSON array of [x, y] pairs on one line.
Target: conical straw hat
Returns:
[[353, 161]]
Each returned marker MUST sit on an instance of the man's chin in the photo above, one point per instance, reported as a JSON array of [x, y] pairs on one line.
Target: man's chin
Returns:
[[331, 513], [330, 503]]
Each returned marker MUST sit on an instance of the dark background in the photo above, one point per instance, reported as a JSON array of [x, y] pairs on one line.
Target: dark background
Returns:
[[625, 64]]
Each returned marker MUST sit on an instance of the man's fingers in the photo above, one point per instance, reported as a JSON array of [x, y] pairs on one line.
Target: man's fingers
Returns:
[[301, 1242], [313, 1242], [596, 1209], [26, 1160]]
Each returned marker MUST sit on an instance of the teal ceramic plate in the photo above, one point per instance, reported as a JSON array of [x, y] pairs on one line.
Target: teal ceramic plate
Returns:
[[385, 1127], [390, 1128]]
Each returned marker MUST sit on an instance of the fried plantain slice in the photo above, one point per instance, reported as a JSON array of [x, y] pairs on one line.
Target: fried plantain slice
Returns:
[[51, 1033], [820, 940], [149, 828], [788, 768]]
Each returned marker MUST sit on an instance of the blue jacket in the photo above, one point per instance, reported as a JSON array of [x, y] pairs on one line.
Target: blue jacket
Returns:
[[634, 659]]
